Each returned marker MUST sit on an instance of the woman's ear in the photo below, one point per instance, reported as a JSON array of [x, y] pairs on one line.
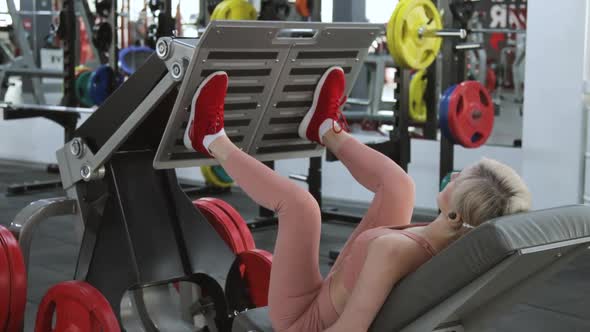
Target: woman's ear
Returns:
[[455, 219]]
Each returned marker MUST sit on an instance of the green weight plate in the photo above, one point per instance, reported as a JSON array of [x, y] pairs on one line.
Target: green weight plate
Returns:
[[221, 174], [82, 86], [212, 179]]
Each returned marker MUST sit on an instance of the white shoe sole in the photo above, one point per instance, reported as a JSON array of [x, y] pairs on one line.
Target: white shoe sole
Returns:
[[187, 140], [316, 95]]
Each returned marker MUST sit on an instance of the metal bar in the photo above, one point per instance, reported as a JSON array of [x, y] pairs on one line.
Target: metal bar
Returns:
[[401, 135], [28, 187], [467, 46], [69, 53], [359, 116], [113, 51], [450, 74], [462, 33], [50, 108], [431, 98], [34, 72], [496, 30], [25, 47], [358, 101], [266, 216], [314, 178], [38, 12], [149, 103], [28, 219], [298, 177], [427, 33]]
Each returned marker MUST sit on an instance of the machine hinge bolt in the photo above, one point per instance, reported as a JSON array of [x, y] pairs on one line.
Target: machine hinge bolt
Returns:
[[77, 148], [162, 49], [85, 172], [177, 71]]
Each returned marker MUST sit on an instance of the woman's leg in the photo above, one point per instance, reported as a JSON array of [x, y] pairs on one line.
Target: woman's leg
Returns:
[[394, 190], [295, 275]]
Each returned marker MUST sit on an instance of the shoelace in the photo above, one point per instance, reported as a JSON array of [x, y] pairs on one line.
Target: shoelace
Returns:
[[214, 125], [341, 120]]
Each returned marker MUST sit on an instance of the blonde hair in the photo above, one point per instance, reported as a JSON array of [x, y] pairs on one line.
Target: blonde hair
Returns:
[[489, 190]]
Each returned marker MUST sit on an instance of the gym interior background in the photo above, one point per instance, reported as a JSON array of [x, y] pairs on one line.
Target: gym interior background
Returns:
[[541, 126]]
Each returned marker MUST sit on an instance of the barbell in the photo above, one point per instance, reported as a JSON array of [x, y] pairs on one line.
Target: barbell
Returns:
[[415, 32]]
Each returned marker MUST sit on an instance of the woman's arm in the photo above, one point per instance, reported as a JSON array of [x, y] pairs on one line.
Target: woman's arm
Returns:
[[386, 263]]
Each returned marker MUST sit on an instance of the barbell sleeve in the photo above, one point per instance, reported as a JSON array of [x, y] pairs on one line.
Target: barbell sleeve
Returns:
[[468, 46], [458, 33]]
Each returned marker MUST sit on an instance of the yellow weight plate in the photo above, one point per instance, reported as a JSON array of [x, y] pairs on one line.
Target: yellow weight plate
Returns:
[[218, 9], [234, 10], [206, 171], [408, 18], [417, 90], [81, 69], [212, 179], [391, 37]]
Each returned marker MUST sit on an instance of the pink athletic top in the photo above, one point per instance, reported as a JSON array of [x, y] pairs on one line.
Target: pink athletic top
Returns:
[[353, 263]]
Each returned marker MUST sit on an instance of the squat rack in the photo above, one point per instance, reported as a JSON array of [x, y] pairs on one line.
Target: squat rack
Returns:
[[449, 69]]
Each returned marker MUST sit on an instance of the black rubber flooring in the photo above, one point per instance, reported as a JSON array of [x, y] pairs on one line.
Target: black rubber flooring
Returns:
[[562, 304]]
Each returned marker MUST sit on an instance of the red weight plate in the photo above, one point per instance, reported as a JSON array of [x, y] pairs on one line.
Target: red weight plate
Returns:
[[4, 288], [18, 280], [222, 224], [302, 7], [257, 265], [237, 219], [78, 307], [471, 114]]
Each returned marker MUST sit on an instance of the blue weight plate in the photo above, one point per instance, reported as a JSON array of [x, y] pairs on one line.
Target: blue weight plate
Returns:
[[102, 85], [443, 117], [133, 57]]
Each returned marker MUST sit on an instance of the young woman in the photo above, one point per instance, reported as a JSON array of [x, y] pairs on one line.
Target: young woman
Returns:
[[382, 249]]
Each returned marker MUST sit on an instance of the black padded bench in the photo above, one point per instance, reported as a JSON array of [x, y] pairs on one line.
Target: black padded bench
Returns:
[[471, 283]]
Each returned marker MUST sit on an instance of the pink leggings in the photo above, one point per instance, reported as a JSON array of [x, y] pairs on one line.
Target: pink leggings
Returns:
[[298, 297]]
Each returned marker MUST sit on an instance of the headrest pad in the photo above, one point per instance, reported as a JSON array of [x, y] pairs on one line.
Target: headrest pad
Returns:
[[473, 255]]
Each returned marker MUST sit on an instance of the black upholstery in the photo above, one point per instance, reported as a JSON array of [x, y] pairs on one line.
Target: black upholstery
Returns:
[[475, 254]]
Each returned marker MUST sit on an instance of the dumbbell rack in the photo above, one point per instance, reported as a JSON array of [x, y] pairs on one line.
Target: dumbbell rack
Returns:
[[140, 228]]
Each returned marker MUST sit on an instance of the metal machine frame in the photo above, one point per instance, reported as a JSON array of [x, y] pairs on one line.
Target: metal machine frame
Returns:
[[140, 228]]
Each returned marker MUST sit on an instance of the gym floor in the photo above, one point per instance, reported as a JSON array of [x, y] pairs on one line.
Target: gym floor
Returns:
[[561, 304]]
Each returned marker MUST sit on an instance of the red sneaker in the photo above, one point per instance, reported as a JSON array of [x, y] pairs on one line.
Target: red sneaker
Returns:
[[328, 98], [206, 111]]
